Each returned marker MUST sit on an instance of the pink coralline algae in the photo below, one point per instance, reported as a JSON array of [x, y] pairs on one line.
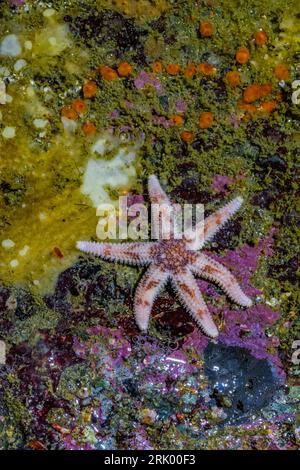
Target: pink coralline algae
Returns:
[[114, 114], [140, 441], [162, 121], [180, 106], [128, 104], [173, 364], [233, 120], [106, 341], [17, 3], [144, 78], [246, 328], [243, 262], [71, 444], [118, 346], [220, 183]]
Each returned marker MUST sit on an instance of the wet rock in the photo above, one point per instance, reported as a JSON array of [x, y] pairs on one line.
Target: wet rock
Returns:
[[4, 294], [159, 25], [109, 26], [190, 190], [83, 279], [164, 101], [273, 133], [202, 146], [10, 46], [239, 381], [266, 197], [275, 162], [227, 237], [26, 305], [288, 271]]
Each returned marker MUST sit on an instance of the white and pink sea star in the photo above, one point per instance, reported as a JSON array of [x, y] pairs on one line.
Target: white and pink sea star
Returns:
[[177, 260]]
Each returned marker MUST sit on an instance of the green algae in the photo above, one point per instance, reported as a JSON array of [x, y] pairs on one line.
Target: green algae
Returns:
[[28, 330]]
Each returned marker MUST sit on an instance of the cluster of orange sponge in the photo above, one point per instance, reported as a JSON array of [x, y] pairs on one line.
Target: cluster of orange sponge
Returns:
[[252, 99]]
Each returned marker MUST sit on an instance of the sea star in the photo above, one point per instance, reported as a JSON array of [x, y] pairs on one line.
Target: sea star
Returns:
[[178, 260]]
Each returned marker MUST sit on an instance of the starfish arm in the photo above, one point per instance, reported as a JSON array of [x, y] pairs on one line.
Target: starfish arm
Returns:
[[216, 272], [131, 253], [146, 293], [206, 230], [189, 293], [156, 193], [163, 212]]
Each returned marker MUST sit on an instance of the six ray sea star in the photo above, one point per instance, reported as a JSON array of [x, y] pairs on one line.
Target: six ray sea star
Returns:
[[178, 260]]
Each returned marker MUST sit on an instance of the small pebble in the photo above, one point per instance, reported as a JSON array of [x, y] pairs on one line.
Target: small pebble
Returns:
[[40, 123], [14, 263], [148, 416], [8, 98], [10, 46], [48, 12], [52, 41], [28, 45], [7, 243], [19, 65], [4, 72], [9, 132], [30, 92], [24, 250], [69, 124], [11, 303]]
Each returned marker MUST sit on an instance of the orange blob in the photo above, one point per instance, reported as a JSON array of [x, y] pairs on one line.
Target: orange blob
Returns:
[[265, 89], [57, 252], [260, 38], [124, 69], [251, 93], [69, 113], [187, 136], [157, 67], [177, 120], [206, 29], [207, 69], [107, 73], [79, 106], [255, 92], [206, 120], [281, 72], [247, 107], [89, 89], [173, 69], [233, 78], [267, 106], [242, 55], [190, 71], [89, 128]]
